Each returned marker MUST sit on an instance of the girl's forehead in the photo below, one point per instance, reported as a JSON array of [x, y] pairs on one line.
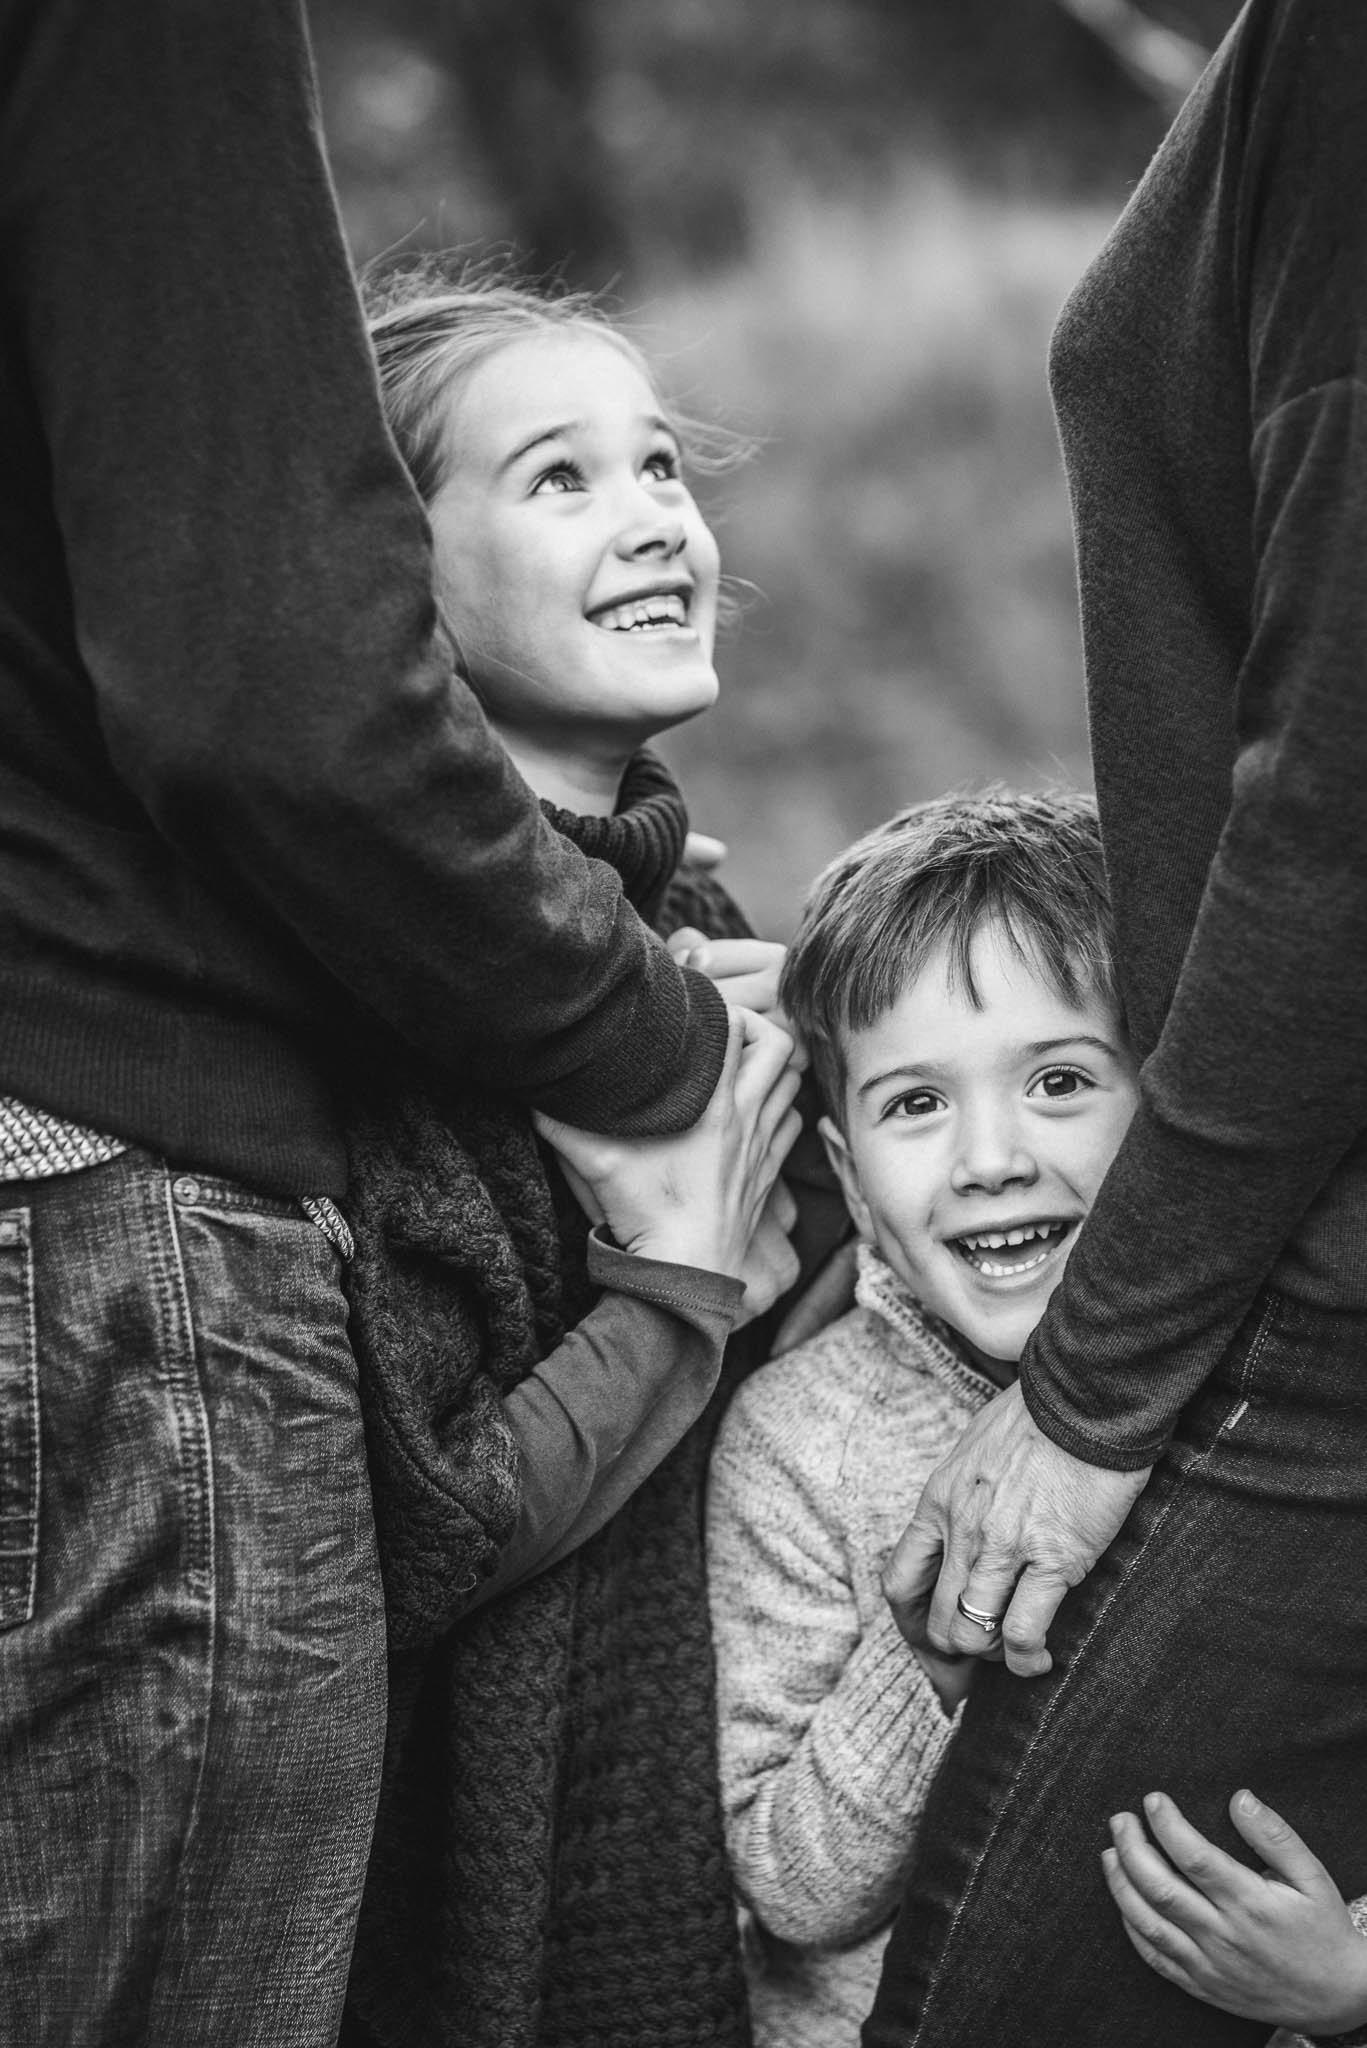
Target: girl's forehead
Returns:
[[534, 383]]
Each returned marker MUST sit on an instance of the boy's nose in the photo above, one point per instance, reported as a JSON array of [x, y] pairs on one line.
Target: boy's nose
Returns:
[[990, 1157]]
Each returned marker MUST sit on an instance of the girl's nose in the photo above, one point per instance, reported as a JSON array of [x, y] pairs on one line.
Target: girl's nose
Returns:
[[991, 1155], [651, 530]]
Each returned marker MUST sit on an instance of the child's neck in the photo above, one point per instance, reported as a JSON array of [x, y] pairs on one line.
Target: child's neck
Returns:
[[573, 779]]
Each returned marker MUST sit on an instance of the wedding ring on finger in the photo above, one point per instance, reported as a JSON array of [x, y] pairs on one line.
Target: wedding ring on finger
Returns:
[[988, 1623]]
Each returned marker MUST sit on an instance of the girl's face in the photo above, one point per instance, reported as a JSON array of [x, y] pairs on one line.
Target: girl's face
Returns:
[[572, 562]]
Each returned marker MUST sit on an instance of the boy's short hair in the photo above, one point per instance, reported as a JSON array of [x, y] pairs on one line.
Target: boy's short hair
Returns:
[[929, 880]]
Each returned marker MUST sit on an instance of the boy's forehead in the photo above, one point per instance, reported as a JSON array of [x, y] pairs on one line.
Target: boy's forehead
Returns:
[[1009, 1002]]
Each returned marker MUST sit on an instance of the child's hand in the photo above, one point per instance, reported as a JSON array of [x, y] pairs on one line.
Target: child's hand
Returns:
[[950, 1676], [695, 1199], [1276, 1945], [770, 1262], [746, 971]]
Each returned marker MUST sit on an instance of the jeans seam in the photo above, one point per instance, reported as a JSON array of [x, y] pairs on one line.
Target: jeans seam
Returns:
[[202, 1520], [970, 1889], [24, 1245]]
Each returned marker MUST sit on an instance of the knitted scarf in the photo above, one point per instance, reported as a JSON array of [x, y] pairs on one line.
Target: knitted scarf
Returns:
[[548, 1868]]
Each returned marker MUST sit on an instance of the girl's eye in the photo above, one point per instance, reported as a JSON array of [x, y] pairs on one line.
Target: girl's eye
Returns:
[[916, 1102], [663, 465], [1060, 1084], [562, 476]]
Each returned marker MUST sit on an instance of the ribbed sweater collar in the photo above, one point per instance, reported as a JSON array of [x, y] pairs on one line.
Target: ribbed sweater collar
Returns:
[[921, 1338], [643, 839]]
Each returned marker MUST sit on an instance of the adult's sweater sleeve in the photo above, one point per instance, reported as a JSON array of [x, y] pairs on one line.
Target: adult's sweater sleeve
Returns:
[[1258, 1083], [250, 569], [829, 1733]]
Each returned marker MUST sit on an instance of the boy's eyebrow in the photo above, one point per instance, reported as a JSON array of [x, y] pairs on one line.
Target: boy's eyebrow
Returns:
[[1038, 1048]]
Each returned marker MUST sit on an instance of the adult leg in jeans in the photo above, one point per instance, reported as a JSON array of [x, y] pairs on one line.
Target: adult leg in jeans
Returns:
[[1222, 1641], [191, 1662]]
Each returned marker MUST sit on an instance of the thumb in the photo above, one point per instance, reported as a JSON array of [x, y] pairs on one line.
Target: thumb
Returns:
[[1277, 1842]]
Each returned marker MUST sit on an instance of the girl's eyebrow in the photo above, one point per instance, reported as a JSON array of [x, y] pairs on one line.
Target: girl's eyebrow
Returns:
[[561, 432], [656, 422]]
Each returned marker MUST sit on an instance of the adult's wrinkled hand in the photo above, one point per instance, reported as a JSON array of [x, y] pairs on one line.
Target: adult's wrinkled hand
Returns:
[[1010, 1522]]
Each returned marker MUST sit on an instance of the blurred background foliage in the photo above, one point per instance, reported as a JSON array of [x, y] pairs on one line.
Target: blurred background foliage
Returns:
[[844, 227]]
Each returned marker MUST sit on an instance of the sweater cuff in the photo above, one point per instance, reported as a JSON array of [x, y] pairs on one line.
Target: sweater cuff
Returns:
[[688, 1291]]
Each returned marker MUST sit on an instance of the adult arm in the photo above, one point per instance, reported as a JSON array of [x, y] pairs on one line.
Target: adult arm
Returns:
[[829, 1735], [603, 1409], [249, 567], [1257, 1086]]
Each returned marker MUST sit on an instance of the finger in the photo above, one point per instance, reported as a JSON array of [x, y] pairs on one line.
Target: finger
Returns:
[[757, 991], [701, 850], [1165, 1892], [1277, 1842], [910, 1577], [783, 1205], [987, 1591], [1223, 1881], [1165, 1949], [1025, 1626], [766, 1060], [683, 941]]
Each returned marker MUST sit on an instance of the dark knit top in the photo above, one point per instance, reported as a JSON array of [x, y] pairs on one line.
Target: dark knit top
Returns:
[[237, 779], [1210, 375], [548, 1865]]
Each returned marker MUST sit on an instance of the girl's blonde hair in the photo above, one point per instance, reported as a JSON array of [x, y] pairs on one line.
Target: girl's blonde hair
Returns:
[[433, 322]]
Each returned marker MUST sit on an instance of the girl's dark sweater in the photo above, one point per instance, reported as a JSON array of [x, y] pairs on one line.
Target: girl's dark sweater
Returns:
[[1210, 375], [238, 785]]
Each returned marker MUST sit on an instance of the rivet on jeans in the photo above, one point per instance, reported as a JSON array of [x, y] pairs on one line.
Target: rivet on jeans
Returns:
[[185, 1188]]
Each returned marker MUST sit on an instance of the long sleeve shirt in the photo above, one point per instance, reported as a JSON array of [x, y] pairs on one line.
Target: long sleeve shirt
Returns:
[[1210, 377], [240, 787]]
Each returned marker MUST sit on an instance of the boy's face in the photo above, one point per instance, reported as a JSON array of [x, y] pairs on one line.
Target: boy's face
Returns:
[[976, 1138]]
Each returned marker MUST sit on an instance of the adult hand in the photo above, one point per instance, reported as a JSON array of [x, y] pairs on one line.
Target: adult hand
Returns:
[[1009, 1521], [696, 1198], [746, 971], [701, 850]]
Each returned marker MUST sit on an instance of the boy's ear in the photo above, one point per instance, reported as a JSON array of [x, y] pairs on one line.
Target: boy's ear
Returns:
[[846, 1172]]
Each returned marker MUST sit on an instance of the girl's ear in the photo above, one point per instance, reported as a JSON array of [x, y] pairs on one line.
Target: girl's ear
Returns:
[[847, 1173]]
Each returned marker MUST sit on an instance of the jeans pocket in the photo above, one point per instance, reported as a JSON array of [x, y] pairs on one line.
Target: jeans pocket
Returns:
[[19, 1444]]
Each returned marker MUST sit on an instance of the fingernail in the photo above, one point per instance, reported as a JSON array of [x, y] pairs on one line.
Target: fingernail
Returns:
[[1152, 1801], [1248, 1804]]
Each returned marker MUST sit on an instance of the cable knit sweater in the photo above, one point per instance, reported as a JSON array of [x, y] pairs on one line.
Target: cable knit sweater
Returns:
[[548, 1868], [830, 1731]]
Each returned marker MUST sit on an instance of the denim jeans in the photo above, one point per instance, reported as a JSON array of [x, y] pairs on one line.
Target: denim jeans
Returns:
[[191, 1627], [1221, 1642]]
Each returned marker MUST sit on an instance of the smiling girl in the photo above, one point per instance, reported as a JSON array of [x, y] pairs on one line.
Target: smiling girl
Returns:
[[548, 1863]]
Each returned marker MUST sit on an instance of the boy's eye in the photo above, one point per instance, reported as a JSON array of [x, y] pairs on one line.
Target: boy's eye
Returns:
[[916, 1102], [1059, 1084], [561, 476], [663, 465]]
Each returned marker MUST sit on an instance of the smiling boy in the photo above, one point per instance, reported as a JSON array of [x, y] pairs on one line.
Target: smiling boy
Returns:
[[952, 980]]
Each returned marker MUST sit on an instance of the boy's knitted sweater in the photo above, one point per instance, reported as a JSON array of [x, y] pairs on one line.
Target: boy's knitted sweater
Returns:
[[830, 1730], [548, 1865]]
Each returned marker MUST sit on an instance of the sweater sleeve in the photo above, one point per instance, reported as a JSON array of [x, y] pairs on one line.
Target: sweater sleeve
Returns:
[[250, 568], [603, 1409], [829, 1734], [1258, 1084]]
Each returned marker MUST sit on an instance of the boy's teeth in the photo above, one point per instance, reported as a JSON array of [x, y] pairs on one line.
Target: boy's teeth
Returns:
[[646, 612], [1040, 1238]]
